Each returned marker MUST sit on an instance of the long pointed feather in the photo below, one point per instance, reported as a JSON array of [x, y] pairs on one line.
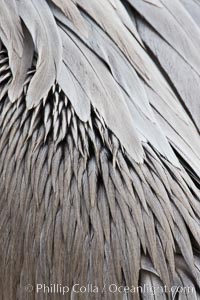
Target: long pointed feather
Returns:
[[41, 24]]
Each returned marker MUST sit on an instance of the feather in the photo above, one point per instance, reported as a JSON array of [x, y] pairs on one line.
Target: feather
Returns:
[[125, 76], [11, 32], [125, 18], [99, 170], [184, 78], [180, 134], [192, 8], [167, 15], [75, 92], [102, 90], [92, 179], [23, 64], [44, 32], [71, 11]]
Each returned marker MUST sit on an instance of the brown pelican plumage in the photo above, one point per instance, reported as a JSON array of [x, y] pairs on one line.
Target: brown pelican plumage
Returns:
[[99, 149]]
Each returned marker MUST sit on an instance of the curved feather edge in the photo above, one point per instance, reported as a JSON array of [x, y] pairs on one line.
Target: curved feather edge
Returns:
[[23, 65], [38, 18], [103, 93], [11, 32]]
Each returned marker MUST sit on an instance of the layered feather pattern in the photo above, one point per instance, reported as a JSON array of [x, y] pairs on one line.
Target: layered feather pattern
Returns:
[[100, 148]]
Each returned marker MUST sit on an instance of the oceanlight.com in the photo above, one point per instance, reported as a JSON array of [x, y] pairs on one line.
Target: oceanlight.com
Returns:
[[112, 288]]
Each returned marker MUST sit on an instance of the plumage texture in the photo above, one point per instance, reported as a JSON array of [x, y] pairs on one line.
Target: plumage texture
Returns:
[[100, 148]]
